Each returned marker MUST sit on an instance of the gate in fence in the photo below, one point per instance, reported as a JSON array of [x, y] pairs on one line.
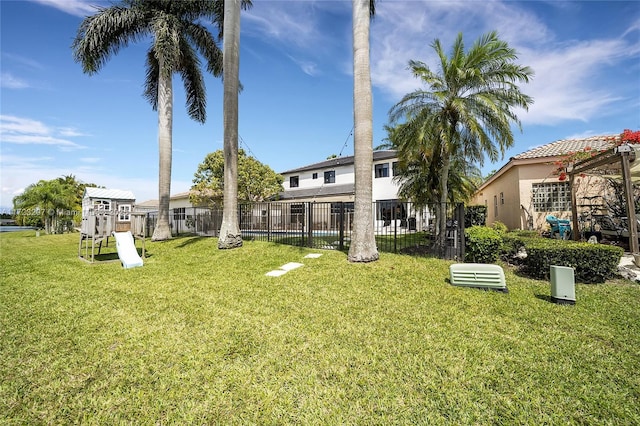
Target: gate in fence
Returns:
[[399, 226]]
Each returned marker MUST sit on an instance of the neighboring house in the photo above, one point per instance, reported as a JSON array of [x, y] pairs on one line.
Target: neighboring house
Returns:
[[527, 189], [147, 206], [333, 181]]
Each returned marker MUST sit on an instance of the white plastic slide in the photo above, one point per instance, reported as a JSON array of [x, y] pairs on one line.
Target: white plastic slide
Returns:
[[127, 250]]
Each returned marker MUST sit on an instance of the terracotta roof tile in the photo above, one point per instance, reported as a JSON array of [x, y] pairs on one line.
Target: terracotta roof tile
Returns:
[[565, 146]]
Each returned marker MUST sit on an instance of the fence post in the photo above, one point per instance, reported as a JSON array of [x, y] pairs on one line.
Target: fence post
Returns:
[[395, 230], [341, 227], [309, 224], [268, 221], [461, 230], [309, 218]]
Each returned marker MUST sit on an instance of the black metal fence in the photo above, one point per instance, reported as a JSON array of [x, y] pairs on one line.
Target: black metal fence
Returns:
[[399, 226]]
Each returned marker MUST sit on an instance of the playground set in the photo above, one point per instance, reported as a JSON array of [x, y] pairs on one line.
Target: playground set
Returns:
[[109, 213]]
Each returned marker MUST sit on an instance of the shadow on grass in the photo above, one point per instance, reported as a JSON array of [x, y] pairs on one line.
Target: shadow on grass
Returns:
[[192, 240], [106, 257], [545, 297]]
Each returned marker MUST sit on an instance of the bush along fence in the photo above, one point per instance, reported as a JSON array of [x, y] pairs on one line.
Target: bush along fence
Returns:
[[399, 226]]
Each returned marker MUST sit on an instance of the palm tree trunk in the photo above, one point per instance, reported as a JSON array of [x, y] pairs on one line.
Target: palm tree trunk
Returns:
[[363, 244], [230, 236], [444, 190], [162, 230]]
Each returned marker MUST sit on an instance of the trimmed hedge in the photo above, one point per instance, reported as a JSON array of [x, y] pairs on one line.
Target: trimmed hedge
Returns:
[[593, 263], [483, 245], [475, 216]]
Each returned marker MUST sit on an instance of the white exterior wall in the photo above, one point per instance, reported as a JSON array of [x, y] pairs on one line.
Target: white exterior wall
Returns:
[[175, 203], [344, 175], [385, 188]]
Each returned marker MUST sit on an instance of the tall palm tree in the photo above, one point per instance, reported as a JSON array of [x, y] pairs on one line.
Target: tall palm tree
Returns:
[[230, 236], [363, 244], [419, 166], [468, 103], [177, 38], [46, 199]]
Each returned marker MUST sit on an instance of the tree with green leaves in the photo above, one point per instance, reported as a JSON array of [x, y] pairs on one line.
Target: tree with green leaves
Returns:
[[419, 166], [363, 243], [257, 182], [177, 39], [467, 106], [46, 200]]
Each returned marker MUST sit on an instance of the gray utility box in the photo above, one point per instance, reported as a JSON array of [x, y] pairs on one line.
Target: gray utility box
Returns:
[[563, 285]]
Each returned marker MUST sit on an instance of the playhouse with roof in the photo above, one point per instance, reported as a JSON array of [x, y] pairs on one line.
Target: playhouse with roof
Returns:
[[105, 211]]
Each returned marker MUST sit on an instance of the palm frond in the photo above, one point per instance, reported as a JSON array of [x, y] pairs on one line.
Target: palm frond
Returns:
[[102, 35], [193, 81]]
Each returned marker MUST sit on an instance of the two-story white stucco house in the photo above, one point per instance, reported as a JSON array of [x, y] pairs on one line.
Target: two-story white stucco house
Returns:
[[333, 181]]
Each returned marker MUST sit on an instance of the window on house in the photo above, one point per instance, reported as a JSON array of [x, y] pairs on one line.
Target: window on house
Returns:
[[330, 176], [394, 168], [553, 196], [179, 213], [388, 210], [124, 213], [502, 198], [102, 205], [382, 170], [297, 214], [314, 176], [335, 207], [495, 205], [294, 182]]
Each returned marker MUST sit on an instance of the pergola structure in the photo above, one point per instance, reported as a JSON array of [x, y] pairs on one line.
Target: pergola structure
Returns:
[[620, 163]]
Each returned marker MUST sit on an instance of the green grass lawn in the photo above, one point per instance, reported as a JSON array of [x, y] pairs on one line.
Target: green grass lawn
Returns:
[[202, 336]]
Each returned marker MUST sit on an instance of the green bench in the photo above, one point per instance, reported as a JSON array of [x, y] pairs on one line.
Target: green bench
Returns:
[[478, 275]]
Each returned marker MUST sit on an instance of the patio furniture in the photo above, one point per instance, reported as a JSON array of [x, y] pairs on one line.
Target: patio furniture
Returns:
[[562, 227], [609, 228]]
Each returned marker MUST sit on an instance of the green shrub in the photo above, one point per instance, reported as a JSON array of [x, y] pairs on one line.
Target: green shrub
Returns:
[[524, 233], [483, 245], [513, 242], [500, 227], [593, 263], [475, 216]]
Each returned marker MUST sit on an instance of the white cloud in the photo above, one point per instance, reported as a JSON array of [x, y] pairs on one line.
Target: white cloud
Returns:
[[566, 85], [308, 67], [308, 32], [25, 131], [290, 23], [569, 82], [9, 81], [73, 7], [22, 61], [18, 172], [70, 132]]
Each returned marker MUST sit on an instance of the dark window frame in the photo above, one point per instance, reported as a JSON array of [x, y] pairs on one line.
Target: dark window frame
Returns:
[[294, 181], [330, 176], [381, 170]]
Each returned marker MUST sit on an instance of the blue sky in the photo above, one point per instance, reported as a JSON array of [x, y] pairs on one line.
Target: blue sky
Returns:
[[296, 68]]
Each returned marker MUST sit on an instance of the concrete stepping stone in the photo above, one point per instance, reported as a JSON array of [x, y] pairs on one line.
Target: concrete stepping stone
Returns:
[[284, 269], [313, 255], [291, 265]]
